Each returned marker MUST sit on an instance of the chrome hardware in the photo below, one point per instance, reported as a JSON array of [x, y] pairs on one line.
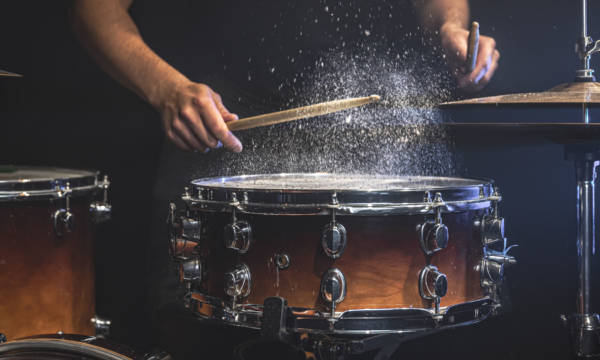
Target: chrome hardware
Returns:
[[333, 288], [433, 234], [334, 239], [238, 235], [491, 226], [190, 270], [64, 220], [282, 261], [101, 210], [2, 338], [492, 265], [238, 282], [102, 326], [432, 283], [185, 234]]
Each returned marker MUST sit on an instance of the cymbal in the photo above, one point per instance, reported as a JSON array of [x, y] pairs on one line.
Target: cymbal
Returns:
[[568, 93], [523, 133], [9, 74]]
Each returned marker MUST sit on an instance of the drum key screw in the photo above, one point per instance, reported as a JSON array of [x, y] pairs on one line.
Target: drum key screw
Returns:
[[64, 220]]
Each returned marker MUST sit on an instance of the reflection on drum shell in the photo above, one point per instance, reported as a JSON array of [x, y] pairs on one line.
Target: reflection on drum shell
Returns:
[[381, 262], [46, 280]]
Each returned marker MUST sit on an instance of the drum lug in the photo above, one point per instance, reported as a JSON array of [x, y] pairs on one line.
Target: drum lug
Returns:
[[238, 235], [433, 285], [492, 266], [491, 226], [102, 326], [102, 210], [185, 233], [238, 282], [2, 338], [433, 234], [334, 238], [191, 270], [63, 219], [333, 288]]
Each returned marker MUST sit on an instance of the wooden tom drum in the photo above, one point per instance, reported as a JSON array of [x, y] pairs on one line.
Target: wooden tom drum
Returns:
[[348, 254], [46, 255]]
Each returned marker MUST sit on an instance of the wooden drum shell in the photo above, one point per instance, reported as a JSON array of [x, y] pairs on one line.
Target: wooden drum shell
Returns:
[[46, 281], [381, 262]]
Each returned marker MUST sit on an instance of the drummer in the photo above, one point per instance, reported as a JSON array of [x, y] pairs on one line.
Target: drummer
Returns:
[[202, 62], [193, 115]]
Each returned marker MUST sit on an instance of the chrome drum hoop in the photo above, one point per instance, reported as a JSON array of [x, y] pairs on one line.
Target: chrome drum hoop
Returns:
[[360, 322], [40, 183], [226, 194]]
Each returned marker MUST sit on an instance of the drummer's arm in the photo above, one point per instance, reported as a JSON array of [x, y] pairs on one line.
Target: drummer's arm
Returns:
[[192, 114], [450, 19]]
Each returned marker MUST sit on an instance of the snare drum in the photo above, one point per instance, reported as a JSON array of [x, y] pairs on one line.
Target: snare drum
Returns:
[[341, 254], [46, 259]]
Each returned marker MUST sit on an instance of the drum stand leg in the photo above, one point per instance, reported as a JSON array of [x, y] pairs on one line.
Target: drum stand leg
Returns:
[[584, 325]]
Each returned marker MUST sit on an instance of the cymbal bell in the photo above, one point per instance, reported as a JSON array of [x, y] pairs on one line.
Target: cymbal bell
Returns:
[[4, 73], [566, 94]]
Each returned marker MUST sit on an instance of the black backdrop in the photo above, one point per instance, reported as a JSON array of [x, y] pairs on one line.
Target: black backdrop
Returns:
[[66, 112]]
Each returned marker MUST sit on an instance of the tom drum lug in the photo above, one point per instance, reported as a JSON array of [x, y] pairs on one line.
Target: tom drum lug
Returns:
[[63, 219], [433, 234], [102, 210]]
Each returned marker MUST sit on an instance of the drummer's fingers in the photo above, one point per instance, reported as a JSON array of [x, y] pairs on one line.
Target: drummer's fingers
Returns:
[[216, 125], [227, 116], [172, 135], [183, 132], [487, 46], [492, 69], [194, 122]]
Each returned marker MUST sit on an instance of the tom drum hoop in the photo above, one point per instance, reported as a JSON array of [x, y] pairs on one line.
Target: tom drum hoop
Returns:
[[341, 254], [46, 259]]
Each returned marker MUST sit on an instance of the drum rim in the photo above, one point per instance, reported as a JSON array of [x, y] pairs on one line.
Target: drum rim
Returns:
[[80, 182], [345, 202], [249, 316], [73, 344]]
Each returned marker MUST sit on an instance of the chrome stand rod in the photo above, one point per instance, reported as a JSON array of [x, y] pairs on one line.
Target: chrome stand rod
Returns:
[[585, 325], [586, 173]]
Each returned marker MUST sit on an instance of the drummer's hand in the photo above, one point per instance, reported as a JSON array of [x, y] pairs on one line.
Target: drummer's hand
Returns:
[[194, 117], [455, 40]]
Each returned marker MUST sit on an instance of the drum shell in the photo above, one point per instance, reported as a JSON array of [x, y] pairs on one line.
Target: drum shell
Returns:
[[381, 262], [46, 280]]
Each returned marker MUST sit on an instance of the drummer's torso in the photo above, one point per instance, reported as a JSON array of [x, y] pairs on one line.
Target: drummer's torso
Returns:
[[267, 46]]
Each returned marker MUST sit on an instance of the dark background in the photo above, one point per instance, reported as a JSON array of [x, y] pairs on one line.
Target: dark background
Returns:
[[66, 112]]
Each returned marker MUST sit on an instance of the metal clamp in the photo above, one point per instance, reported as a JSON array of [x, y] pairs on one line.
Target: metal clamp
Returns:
[[102, 210], [63, 219]]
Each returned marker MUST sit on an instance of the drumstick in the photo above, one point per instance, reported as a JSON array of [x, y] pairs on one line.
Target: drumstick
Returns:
[[473, 47], [300, 113]]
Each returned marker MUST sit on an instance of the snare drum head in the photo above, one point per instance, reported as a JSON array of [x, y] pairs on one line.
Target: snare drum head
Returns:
[[23, 182], [347, 193]]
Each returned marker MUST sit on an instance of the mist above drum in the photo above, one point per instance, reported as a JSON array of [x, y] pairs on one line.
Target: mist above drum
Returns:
[[346, 254]]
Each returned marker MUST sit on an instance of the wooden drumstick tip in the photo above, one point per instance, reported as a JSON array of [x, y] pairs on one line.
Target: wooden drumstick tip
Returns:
[[375, 98]]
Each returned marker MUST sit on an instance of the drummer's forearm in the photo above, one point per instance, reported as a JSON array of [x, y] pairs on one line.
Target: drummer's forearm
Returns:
[[108, 32], [436, 14]]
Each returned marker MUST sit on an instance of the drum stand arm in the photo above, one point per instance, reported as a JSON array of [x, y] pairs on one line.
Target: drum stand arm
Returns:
[[584, 325]]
